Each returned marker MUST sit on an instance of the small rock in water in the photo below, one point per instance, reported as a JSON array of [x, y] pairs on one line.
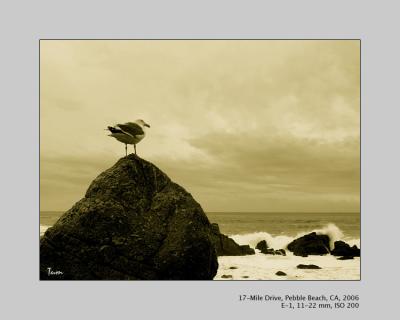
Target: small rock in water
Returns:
[[270, 251], [308, 266], [262, 246], [346, 258], [233, 267], [226, 276], [281, 252], [343, 249], [304, 255], [280, 273], [245, 277]]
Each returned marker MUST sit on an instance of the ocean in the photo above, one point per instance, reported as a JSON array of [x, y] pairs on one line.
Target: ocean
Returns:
[[278, 229]]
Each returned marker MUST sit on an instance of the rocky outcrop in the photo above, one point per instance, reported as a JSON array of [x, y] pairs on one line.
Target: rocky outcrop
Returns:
[[262, 246], [133, 223], [226, 246], [343, 249], [308, 266], [310, 244]]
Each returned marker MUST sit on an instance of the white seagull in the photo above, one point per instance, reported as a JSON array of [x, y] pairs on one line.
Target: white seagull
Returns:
[[129, 133]]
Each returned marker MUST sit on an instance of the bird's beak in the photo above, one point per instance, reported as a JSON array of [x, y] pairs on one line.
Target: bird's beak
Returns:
[[147, 125]]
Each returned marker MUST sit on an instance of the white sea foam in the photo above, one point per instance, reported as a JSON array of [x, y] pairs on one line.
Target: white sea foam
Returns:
[[43, 229], [276, 242], [263, 267], [353, 242], [332, 231], [281, 241]]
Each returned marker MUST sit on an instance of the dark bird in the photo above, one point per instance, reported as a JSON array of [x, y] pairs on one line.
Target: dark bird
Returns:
[[129, 133]]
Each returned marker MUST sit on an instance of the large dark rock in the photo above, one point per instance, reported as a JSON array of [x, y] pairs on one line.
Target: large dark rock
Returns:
[[226, 246], [310, 244], [133, 223], [343, 249]]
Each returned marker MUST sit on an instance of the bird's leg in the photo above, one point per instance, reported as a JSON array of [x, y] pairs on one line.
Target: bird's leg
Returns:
[[126, 149], [135, 147]]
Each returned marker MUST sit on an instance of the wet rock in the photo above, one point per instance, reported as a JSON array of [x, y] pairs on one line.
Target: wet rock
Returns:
[[280, 273], [226, 246], [310, 244], [281, 252], [308, 266], [270, 251], [343, 249], [262, 246], [226, 276], [301, 254], [346, 258]]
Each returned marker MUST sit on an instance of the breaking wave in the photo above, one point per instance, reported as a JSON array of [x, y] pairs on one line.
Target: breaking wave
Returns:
[[281, 241]]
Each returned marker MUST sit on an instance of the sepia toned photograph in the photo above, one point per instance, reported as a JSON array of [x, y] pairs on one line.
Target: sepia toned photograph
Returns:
[[200, 160]]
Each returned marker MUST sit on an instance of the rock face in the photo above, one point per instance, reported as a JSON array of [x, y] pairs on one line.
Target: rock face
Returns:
[[133, 223], [310, 244], [343, 249], [226, 246]]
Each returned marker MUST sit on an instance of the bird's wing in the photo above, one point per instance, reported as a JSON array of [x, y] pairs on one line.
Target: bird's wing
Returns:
[[130, 128]]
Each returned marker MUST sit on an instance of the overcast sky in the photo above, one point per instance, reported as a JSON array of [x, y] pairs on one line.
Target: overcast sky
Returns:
[[241, 125]]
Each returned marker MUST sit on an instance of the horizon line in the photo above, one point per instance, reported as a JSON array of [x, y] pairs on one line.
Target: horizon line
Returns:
[[211, 211]]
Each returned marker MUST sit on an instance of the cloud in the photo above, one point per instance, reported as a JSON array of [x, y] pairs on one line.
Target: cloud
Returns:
[[243, 125], [268, 168]]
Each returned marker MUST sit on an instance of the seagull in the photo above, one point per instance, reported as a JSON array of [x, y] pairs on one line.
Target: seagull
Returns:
[[129, 133]]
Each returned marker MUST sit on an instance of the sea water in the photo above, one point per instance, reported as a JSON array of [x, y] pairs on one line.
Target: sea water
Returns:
[[278, 229]]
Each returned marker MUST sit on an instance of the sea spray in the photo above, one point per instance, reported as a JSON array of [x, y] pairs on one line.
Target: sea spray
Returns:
[[276, 242], [333, 232], [281, 241]]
